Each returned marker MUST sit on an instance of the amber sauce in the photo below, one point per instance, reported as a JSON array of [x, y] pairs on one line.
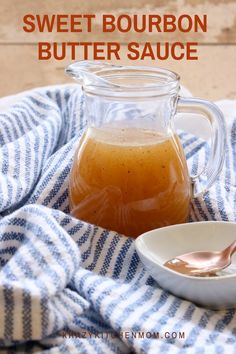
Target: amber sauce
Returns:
[[129, 180]]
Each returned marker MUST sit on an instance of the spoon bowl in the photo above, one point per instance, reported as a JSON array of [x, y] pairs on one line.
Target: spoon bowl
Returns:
[[202, 263], [158, 246]]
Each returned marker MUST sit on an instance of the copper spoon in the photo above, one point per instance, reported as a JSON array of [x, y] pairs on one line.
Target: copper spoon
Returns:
[[202, 263]]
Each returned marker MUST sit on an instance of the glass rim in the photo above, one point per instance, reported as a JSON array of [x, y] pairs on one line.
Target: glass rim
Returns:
[[163, 82], [105, 79]]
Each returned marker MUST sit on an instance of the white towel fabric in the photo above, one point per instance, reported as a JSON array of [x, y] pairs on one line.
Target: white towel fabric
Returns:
[[70, 287]]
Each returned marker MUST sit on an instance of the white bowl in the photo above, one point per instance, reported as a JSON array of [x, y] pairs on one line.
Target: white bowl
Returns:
[[158, 246]]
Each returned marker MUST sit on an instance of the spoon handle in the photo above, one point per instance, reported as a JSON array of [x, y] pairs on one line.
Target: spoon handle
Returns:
[[230, 249]]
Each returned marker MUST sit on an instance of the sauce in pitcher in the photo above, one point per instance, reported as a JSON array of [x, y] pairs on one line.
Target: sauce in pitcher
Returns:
[[129, 180]]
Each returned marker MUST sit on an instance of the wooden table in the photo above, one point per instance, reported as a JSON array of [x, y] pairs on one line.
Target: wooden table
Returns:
[[213, 76]]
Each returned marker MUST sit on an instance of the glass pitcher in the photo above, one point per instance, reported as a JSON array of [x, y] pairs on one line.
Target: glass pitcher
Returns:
[[129, 173]]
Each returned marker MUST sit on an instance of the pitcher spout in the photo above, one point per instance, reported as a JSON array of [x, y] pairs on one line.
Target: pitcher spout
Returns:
[[86, 72]]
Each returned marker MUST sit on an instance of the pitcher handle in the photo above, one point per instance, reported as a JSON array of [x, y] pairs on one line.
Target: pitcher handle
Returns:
[[202, 182]]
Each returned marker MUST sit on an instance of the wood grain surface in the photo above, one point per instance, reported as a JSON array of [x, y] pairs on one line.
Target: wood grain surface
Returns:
[[212, 76]]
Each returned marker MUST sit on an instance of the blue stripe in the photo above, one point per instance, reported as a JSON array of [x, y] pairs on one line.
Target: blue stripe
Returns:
[[9, 308]]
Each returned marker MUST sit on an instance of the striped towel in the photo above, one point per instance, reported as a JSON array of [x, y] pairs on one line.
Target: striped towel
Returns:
[[69, 287]]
